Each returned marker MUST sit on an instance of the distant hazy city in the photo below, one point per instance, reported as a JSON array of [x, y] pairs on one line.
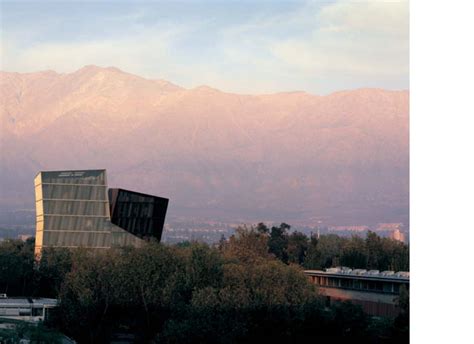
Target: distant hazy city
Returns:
[[21, 224]]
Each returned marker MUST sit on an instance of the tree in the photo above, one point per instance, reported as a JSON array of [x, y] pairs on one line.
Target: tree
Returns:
[[246, 245], [354, 253], [278, 242], [254, 302], [16, 267], [325, 251], [313, 255], [55, 263], [262, 228], [222, 242], [298, 245], [401, 326], [374, 250], [87, 294], [386, 254], [203, 267]]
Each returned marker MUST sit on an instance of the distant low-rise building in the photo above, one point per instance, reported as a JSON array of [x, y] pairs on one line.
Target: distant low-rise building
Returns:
[[24, 237], [398, 235], [377, 292], [360, 229], [26, 309], [381, 227]]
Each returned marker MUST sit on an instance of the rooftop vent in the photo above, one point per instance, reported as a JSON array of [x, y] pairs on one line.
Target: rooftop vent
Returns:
[[359, 271], [373, 272], [403, 274]]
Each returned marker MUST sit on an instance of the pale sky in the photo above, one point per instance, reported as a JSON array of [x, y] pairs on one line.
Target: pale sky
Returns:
[[236, 46]]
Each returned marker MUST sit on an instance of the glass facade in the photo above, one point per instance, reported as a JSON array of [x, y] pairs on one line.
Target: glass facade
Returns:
[[72, 210], [140, 214]]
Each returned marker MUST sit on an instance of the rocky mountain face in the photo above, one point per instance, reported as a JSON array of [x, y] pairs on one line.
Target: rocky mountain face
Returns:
[[341, 158]]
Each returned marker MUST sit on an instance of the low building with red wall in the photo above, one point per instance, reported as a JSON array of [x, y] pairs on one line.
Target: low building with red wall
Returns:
[[377, 292]]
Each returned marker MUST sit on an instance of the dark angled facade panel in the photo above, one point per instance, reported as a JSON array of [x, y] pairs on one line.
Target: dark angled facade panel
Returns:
[[140, 214], [73, 210]]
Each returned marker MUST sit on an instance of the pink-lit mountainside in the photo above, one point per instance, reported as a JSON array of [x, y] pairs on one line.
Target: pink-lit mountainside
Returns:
[[342, 158]]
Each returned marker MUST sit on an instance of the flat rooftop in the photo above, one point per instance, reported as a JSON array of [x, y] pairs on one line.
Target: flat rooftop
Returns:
[[27, 302], [400, 276]]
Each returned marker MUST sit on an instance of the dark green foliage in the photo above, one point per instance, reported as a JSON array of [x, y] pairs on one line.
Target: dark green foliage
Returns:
[[372, 253], [249, 288], [325, 252], [55, 263], [401, 326], [262, 228], [16, 266], [354, 253], [386, 254], [298, 245], [278, 242], [247, 245], [127, 289]]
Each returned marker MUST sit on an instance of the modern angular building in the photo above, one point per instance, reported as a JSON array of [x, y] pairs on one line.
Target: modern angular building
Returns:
[[73, 210], [139, 214]]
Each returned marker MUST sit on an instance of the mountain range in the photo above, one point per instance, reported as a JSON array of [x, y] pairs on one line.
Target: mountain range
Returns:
[[337, 159]]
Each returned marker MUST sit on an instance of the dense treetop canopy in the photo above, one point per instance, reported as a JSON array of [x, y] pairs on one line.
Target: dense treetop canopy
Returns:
[[247, 288]]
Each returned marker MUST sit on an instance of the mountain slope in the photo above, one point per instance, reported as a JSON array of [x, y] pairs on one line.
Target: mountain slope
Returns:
[[288, 156]]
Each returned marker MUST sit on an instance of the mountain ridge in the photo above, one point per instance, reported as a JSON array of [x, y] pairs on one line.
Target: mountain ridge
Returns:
[[95, 68]]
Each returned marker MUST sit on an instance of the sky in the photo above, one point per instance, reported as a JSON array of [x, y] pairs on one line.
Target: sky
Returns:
[[235, 46]]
